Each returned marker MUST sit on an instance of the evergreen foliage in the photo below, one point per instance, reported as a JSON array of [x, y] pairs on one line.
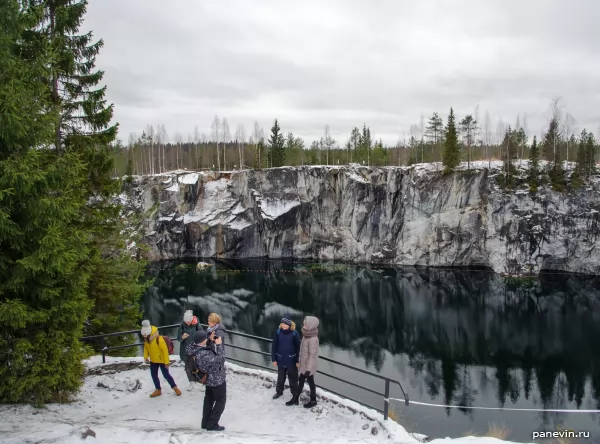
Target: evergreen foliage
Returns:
[[451, 154], [534, 166], [552, 153], [63, 264], [277, 146], [43, 300]]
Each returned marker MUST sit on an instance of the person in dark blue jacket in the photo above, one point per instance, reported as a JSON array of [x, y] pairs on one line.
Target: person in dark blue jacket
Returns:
[[284, 354]]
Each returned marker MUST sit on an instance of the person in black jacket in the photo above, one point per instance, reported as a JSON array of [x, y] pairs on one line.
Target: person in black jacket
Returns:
[[185, 336], [284, 355], [211, 360]]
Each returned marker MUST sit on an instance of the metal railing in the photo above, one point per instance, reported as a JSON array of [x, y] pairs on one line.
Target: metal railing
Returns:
[[388, 381]]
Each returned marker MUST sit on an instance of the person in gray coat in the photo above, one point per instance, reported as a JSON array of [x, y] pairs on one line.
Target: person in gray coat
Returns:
[[309, 356]]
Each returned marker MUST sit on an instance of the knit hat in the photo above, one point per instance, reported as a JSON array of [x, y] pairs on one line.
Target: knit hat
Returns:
[[188, 316], [146, 328], [199, 336], [286, 320]]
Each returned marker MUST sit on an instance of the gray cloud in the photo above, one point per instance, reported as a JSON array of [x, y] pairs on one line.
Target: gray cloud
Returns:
[[345, 62]]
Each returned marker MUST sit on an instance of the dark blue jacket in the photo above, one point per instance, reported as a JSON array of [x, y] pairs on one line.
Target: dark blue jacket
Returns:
[[285, 348]]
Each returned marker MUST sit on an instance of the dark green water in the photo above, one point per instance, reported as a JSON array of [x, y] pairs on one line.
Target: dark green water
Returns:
[[450, 337]]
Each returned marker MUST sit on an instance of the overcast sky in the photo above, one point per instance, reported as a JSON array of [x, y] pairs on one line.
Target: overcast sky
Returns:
[[342, 63]]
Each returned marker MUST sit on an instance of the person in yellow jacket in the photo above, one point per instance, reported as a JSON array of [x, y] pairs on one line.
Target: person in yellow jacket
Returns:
[[157, 354]]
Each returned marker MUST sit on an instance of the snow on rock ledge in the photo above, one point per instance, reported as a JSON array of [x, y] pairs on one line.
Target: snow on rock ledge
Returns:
[[251, 416], [393, 215]]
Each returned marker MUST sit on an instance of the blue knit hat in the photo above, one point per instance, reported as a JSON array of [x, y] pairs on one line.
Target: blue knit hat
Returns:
[[286, 320]]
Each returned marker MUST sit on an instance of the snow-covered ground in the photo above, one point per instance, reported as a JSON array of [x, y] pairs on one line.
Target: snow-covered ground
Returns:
[[114, 407]]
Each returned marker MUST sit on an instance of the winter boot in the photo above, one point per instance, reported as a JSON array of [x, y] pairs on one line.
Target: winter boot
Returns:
[[311, 404], [277, 395], [293, 401], [176, 390], [156, 393]]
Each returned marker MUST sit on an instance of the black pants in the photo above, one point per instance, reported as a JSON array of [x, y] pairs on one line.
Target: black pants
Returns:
[[311, 384], [214, 405], [292, 374], [188, 367]]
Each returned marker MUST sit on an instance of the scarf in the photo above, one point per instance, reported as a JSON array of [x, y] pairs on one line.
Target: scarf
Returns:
[[310, 333], [215, 327]]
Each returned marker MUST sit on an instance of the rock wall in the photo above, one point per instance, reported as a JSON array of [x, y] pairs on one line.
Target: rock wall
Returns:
[[392, 215]]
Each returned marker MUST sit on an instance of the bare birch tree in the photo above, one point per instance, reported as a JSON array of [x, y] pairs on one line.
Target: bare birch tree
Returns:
[[328, 142], [257, 135], [240, 137], [215, 133], [196, 140], [487, 130], [226, 139], [178, 141]]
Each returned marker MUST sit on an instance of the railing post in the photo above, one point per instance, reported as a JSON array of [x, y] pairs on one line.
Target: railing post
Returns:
[[386, 405], [102, 350]]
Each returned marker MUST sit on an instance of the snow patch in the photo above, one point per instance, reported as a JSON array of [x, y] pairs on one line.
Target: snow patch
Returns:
[[174, 188], [272, 208], [189, 179]]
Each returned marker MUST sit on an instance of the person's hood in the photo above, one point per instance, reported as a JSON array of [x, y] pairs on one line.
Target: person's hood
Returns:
[[311, 323]]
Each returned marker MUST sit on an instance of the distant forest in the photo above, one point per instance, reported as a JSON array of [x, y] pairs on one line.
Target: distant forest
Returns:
[[433, 140]]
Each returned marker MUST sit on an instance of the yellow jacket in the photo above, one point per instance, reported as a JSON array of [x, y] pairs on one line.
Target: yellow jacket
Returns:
[[156, 348]]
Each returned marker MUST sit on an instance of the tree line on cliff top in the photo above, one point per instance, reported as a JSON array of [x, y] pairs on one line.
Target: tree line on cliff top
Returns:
[[65, 270], [451, 142]]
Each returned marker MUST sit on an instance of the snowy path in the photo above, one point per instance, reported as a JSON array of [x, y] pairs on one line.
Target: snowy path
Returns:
[[251, 416], [123, 413]]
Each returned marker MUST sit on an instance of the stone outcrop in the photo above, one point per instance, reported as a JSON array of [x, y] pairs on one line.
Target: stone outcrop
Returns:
[[393, 215]]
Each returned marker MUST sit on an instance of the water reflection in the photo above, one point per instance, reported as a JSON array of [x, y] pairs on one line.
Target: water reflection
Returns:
[[453, 337]]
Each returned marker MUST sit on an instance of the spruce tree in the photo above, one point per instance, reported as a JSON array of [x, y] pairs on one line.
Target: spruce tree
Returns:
[[84, 127], [590, 154], [276, 146], [534, 165], [451, 154], [43, 300], [551, 150]]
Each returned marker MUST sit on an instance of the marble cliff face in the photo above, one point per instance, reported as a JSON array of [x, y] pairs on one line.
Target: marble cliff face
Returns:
[[392, 215]]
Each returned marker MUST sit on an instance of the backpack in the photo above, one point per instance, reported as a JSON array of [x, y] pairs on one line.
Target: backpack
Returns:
[[197, 374], [170, 346]]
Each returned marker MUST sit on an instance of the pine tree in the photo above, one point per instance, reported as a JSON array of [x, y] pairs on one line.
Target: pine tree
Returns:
[[510, 150], [469, 128], [43, 300], [534, 166], [435, 131], [277, 146], [451, 154]]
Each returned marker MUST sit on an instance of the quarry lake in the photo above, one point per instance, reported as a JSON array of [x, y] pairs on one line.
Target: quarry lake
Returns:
[[451, 337]]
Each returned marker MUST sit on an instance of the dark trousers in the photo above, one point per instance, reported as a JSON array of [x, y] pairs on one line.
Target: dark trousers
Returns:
[[292, 374], [214, 405], [165, 372], [188, 360], [311, 384]]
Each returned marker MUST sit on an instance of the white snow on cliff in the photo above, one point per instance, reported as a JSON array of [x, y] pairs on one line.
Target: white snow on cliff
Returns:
[[272, 208]]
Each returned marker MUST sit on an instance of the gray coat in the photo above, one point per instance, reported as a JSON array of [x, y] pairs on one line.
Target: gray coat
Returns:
[[309, 348]]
